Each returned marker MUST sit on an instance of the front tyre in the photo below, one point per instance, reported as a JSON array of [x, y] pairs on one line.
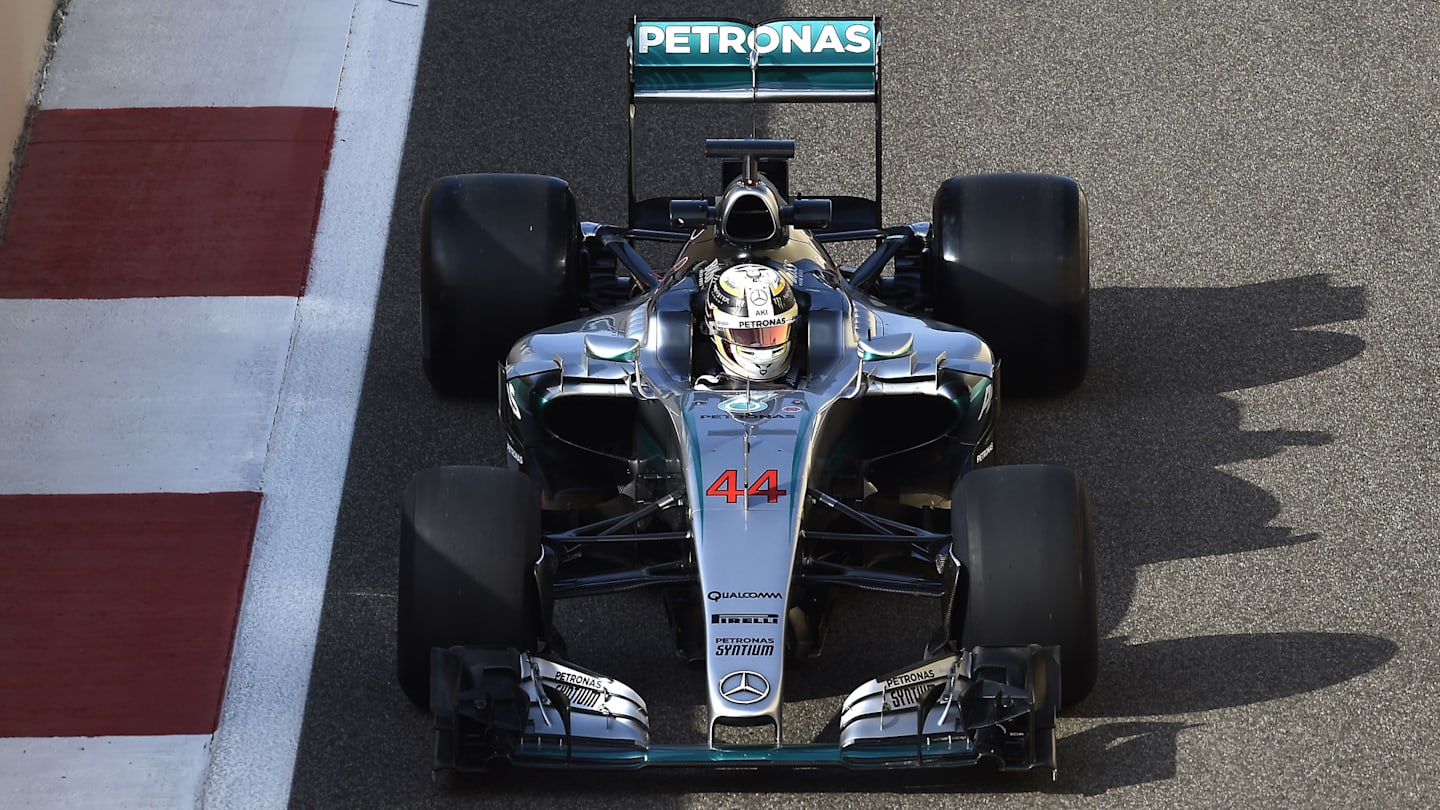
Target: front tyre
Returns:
[[469, 539], [1025, 567]]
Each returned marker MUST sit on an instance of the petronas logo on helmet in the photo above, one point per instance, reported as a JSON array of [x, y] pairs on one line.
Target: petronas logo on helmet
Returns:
[[751, 312]]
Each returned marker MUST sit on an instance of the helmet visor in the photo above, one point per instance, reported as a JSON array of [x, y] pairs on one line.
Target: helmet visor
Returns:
[[767, 337]]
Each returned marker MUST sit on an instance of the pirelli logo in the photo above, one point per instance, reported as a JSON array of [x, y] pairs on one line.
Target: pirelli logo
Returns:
[[745, 618]]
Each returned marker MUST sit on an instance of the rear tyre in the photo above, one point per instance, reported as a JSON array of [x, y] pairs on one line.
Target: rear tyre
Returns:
[[1009, 259], [469, 538], [1025, 570], [499, 259]]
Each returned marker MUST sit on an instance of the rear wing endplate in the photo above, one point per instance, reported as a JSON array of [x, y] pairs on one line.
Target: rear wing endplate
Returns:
[[811, 59]]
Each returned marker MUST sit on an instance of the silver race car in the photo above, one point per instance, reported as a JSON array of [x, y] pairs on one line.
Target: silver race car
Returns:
[[748, 431]]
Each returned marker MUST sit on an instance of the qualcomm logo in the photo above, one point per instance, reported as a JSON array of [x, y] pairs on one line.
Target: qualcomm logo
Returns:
[[744, 687]]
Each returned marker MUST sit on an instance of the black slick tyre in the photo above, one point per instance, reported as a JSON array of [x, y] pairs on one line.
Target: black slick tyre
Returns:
[[499, 259], [1009, 259], [1026, 567], [469, 538]]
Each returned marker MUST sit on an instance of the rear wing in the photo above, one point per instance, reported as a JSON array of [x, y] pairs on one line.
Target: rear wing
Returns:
[[811, 59]]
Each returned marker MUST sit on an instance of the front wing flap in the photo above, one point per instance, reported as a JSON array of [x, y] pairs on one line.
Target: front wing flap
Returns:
[[501, 705], [996, 703]]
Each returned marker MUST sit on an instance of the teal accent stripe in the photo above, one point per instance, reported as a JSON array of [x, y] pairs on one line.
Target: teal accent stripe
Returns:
[[690, 79], [939, 752]]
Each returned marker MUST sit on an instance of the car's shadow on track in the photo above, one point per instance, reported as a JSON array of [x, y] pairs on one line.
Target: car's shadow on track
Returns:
[[1203, 673], [1182, 677], [1152, 428]]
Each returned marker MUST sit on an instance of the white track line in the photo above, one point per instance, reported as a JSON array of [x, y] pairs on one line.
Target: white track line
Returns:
[[201, 53], [253, 752], [104, 773], [140, 394]]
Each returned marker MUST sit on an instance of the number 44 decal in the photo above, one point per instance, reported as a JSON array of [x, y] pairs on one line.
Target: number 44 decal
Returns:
[[727, 486]]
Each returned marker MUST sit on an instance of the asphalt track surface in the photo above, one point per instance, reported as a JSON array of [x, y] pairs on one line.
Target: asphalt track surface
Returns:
[[1258, 427]]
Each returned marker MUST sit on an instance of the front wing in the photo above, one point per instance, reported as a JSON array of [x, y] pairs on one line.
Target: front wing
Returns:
[[987, 703]]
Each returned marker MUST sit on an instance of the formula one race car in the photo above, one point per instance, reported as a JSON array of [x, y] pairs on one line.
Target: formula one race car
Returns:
[[748, 431]]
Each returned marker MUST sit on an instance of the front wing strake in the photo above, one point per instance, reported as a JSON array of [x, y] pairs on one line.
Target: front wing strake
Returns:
[[988, 703]]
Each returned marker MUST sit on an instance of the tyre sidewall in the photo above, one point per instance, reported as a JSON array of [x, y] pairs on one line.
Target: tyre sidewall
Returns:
[[1026, 566]]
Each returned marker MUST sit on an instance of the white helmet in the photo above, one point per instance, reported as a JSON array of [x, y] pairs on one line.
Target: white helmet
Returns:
[[751, 311]]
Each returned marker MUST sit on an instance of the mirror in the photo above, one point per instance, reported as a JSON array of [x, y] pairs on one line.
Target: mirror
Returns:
[[612, 347], [887, 347]]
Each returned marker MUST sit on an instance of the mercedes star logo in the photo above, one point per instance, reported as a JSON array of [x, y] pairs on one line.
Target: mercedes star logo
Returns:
[[744, 687]]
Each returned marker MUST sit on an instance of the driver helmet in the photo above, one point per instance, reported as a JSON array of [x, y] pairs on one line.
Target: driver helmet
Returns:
[[750, 310]]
